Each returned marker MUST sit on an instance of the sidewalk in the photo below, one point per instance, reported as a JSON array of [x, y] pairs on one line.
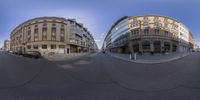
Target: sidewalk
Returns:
[[150, 59], [65, 57]]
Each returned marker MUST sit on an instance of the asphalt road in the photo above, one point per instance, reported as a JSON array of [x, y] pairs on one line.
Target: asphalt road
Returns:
[[98, 77]]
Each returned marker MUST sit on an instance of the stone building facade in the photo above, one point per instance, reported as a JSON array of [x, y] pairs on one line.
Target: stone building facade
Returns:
[[52, 35]]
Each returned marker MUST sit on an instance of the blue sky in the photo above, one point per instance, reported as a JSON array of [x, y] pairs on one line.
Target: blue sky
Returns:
[[97, 15]]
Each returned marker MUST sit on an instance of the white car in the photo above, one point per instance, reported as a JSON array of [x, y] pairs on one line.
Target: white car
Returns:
[[10, 51]]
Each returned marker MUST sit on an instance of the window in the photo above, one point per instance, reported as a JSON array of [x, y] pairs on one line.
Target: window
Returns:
[[76, 41], [146, 31], [72, 41], [61, 46], [54, 24], [36, 26], [44, 30], [44, 33], [145, 18], [44, 37], [35, 46], [36, 34], [174, 26], [136, 32], [44, 25], [53, 46], [53, 30], [44, 46], [166, 33], [62, 30], [29, 47], [53, 33], [156, 18], [146, 23], [71, 22], [166, 25], [29, 39], [62, 35], [53, 38], [36, 39], [36, 30], [157, 31], [157, 24], [62, 39], [62, 25], [29, 32]]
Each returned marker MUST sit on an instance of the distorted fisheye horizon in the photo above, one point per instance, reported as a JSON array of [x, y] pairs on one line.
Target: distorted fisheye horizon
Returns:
[[99, 50], [98, 15]]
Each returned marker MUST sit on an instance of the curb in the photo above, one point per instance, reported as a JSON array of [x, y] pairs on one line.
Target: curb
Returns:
[[148, 62]]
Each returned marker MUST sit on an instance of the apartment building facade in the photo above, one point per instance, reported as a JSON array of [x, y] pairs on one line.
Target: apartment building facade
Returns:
[[52, 35]]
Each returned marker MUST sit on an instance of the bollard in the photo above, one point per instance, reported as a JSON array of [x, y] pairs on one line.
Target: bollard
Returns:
[[135, 55], [130, 56]]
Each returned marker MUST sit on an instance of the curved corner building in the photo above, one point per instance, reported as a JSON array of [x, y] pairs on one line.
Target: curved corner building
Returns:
[[50, 35], [148, 33]]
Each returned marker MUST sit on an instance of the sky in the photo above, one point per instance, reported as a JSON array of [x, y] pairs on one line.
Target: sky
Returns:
[[97, 15]]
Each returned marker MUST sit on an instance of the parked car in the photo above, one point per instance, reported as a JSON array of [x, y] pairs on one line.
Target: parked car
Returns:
[[19, 52], [14, 52], [32, 54], [10, 51]]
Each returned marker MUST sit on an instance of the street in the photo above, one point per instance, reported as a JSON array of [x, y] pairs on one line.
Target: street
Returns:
[[98, 77]]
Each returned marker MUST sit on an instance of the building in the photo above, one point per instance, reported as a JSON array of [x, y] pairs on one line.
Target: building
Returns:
[[52, 35], [148, 33], [197, 48], [6, 45], [117, 38]]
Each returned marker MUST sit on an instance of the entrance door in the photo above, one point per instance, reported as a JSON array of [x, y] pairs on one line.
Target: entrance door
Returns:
[[146, 46], [174, 48], [67, 50], [167, 46], [136, 47], [61, 49], [157, 47]]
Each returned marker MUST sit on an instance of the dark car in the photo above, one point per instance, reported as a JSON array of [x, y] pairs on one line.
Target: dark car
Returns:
[[32, 54], [19, 52], [14, 52]]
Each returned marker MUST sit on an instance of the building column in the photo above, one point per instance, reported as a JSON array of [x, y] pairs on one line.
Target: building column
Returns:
[[131, 46], [177, 48], [171, 46], [162, 46], [140, 46], [151, 46]]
